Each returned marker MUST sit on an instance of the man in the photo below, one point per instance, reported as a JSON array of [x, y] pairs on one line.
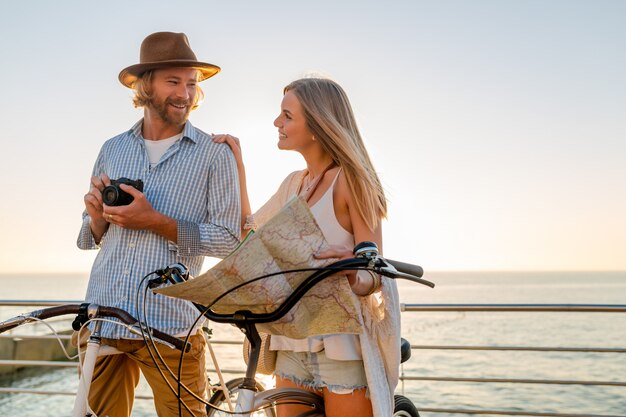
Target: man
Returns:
[[189, 208]]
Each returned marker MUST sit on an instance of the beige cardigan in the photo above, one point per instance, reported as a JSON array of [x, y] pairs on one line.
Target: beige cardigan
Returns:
[[380, 343]]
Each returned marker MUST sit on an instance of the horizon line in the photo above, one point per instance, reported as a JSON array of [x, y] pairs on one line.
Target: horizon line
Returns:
[[437, 271]]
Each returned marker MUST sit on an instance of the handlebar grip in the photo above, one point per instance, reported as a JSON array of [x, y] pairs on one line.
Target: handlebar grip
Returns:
[[411, 269], [124, 316]]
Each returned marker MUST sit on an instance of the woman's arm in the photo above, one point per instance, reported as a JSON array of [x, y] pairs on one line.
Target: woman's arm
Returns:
[[364, 282], [361, 282], [246, 211]]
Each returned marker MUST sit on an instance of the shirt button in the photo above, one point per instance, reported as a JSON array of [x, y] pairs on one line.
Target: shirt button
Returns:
[[131, 245], [126, 272]]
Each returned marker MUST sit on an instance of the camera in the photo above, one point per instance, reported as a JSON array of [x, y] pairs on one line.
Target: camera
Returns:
[[113, 195]]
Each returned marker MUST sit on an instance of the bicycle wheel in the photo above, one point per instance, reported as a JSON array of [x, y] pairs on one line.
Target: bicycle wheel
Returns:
[[403, 407], [295, 395], [218, 399]]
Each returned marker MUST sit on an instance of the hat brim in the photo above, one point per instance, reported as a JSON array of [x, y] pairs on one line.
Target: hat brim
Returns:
[[129, 75]]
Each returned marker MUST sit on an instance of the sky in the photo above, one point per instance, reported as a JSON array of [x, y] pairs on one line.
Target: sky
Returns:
[[497, 127]]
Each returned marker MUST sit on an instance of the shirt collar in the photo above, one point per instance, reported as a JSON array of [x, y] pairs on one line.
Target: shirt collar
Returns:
[[188, 131]]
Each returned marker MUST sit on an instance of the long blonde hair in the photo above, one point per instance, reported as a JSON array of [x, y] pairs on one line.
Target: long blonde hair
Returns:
[[143, 91], [330, 118]]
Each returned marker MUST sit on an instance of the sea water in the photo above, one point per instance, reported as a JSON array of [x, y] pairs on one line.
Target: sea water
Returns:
[[591, 330]]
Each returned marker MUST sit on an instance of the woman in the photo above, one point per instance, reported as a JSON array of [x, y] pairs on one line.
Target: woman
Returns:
[[356, 374]]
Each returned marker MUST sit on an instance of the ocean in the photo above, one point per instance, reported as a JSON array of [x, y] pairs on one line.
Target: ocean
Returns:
[[589, 330]]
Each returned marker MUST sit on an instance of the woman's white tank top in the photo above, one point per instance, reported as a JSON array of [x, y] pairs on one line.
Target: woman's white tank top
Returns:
[[336, 346]]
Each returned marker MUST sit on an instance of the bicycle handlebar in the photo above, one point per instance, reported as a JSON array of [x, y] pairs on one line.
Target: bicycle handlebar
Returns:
[[95, 310], [380, 265]]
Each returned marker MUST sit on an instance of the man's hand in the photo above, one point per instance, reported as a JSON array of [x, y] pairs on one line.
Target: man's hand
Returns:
[[137, 215], [95, 207], [93, 199], [140, 215]]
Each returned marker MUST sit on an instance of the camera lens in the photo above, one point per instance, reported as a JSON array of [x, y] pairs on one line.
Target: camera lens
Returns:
[[109, 195]]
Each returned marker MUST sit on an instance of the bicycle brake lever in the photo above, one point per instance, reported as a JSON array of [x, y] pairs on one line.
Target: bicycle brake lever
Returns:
[[174, 274], [155, 282], [136, 331], [160, 337]]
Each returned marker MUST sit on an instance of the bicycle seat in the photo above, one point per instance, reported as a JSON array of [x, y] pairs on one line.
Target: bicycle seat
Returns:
[[405, 350]]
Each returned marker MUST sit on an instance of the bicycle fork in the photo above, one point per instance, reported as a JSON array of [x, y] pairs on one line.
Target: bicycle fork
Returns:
[[247, 389]]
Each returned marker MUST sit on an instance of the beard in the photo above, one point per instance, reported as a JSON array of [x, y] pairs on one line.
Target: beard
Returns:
[[174, 118]]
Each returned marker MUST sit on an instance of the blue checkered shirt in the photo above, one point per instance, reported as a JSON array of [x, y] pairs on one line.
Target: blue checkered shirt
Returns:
[[195, 183]]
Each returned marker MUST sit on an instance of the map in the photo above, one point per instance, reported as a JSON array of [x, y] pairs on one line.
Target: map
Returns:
[[287, 241]]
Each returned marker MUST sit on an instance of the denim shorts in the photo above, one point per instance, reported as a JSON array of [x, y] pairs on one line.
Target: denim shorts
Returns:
[[315, 371]]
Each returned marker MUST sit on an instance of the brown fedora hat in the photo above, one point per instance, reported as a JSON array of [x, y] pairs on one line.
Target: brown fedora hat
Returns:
[[165, 50]]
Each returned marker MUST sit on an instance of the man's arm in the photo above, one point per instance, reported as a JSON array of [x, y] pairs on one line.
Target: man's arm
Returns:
[[94, 225], [221, 234], [218, 237]]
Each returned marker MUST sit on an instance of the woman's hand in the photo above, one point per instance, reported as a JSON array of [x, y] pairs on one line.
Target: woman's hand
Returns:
[[361, 282], [335, 252], [338, 252]]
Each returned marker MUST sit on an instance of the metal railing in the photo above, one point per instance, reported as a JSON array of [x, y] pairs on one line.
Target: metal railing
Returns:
[[530, 308], [561, 308]]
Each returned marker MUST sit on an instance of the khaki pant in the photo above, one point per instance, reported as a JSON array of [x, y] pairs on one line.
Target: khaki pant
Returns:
[[115, 378]]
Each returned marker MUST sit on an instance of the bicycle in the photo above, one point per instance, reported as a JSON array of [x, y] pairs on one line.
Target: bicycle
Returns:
[[245, 393], [246, 397]]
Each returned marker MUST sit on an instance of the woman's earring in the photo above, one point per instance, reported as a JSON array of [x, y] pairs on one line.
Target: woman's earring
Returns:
[[313, 137]]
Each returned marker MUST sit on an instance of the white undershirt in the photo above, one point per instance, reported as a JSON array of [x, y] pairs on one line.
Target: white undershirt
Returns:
[[336, 346], [157, 148]]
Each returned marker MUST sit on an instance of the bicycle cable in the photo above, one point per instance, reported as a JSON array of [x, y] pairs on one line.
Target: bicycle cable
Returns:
[[151, 344], [206, 309], [177, 378], [58, 336]]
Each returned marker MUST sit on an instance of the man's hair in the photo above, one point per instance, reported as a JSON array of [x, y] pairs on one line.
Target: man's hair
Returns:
[[143, 91]]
